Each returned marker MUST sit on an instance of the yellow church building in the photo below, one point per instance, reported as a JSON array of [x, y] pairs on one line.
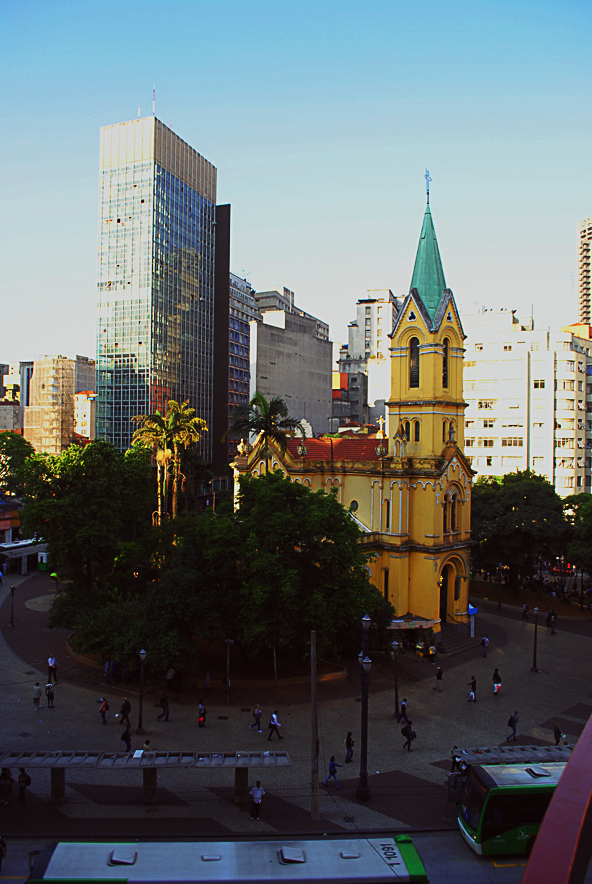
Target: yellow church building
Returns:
[[409, 488]]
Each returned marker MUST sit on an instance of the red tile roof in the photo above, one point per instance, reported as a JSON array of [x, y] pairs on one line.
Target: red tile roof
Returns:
[[349, 448]]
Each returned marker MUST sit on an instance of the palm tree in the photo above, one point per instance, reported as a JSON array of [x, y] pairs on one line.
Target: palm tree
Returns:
[[168, 434], [270, 421], [184, 428]]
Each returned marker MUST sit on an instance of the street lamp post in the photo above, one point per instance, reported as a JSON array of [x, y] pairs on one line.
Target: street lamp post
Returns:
[[395, 655], [363, 792], [140, 728], [228, 642], [533, 668], [12, 589]]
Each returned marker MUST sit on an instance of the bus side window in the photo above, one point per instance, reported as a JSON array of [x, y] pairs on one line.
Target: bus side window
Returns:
[[500, 816], [533, 808]]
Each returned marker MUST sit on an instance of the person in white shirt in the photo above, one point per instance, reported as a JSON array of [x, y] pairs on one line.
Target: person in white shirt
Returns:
[[273, 726], [52, 669], [257, 793], [37, 694]]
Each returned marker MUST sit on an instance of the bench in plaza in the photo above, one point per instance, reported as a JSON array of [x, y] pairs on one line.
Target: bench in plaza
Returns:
[[59, 762]]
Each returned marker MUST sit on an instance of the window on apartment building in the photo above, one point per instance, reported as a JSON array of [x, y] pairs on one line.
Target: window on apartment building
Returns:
[[507, 348], [564, 405], [564, 481], [469, 386], [538, 462], [570, 365], [538, 425], [488, 422], [539, 384], [470, 363], [580, 386], [578, 481], [489, 461], [469, 442], [486, 443], [368, 311], [414, 362], [564, 443], [564, 385], [564, 463], [534, 346], [487, 403], [478, 348], [445, 364], [512, 442], [469, 423]]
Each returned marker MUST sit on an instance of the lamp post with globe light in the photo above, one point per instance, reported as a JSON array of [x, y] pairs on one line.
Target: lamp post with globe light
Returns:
[[363, 792]]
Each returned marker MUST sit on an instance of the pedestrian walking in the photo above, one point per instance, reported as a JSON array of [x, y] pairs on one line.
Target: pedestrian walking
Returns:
[[257, 714], [332, 771], [103, 709], [513, 723], [52, 669], [37, 695], [126, 708], [497, 681], [257, 794], [525, 610], [2, 850], [484, 643], [164, 705], [126, 738], [553, 620], [207, 684], [557, 733], [473, 692], [548, 616], [403, 711], [273, 726], [349, 748], [6, 781], [24, 781], [170, 677], [439, 674], [409, 735], [201, 714], [50, 695]]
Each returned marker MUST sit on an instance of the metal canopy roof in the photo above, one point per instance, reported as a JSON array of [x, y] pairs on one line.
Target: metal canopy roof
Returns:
[[140, 760], [515, 754]]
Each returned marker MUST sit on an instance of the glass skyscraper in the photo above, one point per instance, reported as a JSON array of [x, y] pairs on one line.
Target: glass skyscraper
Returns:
[[157, 200]]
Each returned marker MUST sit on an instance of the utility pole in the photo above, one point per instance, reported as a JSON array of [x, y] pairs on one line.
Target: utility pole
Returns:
[[314, 730]]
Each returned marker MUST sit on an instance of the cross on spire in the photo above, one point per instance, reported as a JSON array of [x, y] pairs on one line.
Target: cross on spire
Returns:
[[428, 179]]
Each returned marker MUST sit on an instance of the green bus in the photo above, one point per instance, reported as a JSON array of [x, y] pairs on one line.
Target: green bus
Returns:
[[502, 805]]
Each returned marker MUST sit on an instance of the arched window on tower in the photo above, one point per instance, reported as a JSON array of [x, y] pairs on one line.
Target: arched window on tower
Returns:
[[407, 430], [445, 513], [387, 515], [445, 365], [414, 362], [416, 431], [386, 583], [444, 431], [453, 513]]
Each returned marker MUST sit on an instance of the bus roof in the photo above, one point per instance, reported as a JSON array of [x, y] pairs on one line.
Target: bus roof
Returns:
[[540, 774]]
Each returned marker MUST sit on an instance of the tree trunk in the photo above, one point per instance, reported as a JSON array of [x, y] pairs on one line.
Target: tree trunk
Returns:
[[159, 479], [242, 651]]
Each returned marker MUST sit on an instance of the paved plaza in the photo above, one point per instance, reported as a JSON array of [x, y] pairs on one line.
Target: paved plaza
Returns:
[[407, 789]]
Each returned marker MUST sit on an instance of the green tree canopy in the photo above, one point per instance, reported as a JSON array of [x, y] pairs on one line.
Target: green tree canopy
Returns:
[[14, 452], [516, 519]]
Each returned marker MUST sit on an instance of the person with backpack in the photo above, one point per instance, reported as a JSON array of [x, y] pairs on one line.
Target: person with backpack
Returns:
[[257, 715], [409, 735], [103, 709], [201, 714], [273, 726], [484, 643], [24, 781], [126, 708], [513, 723], [349, 748], [497, 681], [332, 771], [50, 695], [403, 711]]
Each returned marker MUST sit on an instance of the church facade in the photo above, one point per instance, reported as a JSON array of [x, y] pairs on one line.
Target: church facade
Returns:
[[409, 489]]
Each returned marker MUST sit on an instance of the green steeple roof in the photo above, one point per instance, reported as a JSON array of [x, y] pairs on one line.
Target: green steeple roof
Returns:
[[428, 275]]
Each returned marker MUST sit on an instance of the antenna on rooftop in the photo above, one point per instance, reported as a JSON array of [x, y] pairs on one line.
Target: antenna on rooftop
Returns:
[[153, 99], [428, 179], [138, 111]]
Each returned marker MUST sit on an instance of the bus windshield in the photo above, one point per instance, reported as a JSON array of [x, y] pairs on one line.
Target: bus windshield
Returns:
[[473, 799]]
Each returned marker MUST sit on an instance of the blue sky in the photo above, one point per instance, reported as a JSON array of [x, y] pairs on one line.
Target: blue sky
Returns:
[[321, 118]]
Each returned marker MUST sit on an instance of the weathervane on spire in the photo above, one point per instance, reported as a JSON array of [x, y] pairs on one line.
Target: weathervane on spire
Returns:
[[428, 179]]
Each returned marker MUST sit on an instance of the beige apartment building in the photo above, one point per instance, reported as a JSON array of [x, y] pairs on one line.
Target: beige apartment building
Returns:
[[49, 418], [529, 399]]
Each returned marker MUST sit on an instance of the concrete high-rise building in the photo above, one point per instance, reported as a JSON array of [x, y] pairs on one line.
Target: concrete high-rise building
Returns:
[[584, 282], [529, 398], [157, 201], [290, 356], [48, 421]]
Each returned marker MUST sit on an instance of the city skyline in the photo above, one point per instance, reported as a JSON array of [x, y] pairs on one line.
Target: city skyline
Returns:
[[321, 129]]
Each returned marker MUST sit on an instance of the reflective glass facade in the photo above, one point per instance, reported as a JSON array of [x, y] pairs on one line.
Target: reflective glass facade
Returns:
[[155, 277]]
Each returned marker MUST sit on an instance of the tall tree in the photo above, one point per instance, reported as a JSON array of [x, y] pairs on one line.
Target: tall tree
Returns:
[[168, 435], [516, 519], [268, 420], [14, 452]]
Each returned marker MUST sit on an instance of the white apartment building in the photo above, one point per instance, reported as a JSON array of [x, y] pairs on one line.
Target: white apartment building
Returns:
[[528, 399], [584, 280]]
